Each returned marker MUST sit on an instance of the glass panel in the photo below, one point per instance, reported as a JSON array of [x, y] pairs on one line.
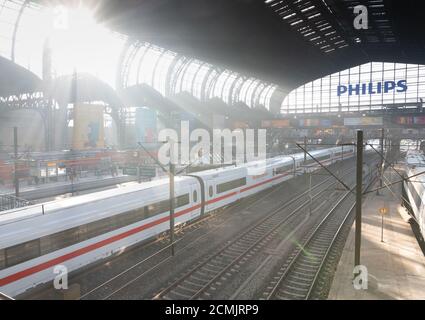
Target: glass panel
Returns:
[[249, 100], [60, 240], [231, 185], [199, 80], [218, 86], [2, 259], [188, 76], [227, 87], [162, 71], [22, 252]]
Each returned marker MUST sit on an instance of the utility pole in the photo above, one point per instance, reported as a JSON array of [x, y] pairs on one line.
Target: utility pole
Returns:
[[15, 145], [172, 201], [359, 183], [382, 161], [171, 173], [139, 176], [381, 171], [305, 149], [310, 196]]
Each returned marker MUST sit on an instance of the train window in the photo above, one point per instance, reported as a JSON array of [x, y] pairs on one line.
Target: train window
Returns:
[[283, 169], [162, 206], [158, 207], [210, 191], [128, 218], [195, 196], [318, 158], [59, 240], [82, 233], [96, 228], [231, 185], [22, 252], [151, 209], [2, 259], [183, 200], [323, 157], [66, 238]]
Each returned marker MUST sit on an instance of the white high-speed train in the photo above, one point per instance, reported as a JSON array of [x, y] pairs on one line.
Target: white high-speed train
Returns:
[[415, 187], [77, 231]]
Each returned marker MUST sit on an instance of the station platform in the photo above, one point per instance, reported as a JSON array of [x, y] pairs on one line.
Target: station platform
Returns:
[[396, 267]]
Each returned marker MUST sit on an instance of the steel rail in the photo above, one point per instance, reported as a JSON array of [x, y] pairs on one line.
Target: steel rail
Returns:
[[331, 245], [269, 216]]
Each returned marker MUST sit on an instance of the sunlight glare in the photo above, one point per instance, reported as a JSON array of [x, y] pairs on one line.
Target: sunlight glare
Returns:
[[79, 43]]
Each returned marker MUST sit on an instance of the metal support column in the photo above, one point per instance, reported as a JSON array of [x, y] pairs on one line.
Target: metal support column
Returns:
[[359, 183], [172, 202], [15, 146], [382, 164]]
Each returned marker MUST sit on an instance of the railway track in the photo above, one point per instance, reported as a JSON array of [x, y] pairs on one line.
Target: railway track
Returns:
[[300, 276], [202, 281]]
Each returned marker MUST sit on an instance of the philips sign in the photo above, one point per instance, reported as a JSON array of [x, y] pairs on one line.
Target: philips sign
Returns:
[[372, 88]]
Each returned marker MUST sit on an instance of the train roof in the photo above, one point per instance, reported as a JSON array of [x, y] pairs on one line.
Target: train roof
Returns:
[[420, 172], [416, 159], [259, 164], [415, 162], [29, 223], [76, 204]]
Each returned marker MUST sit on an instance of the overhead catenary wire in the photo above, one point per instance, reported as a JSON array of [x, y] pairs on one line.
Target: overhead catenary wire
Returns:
[[324, 167]]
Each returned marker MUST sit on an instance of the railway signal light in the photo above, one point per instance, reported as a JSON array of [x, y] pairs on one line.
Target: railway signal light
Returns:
[[383, 211]]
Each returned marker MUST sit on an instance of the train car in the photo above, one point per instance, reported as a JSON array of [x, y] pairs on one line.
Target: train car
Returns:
[[77, 231], [415, 187]]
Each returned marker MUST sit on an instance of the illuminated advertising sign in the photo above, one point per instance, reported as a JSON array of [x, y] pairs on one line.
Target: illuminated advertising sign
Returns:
[[364, 121], [283, 123], [146, 125], [240, 125], [410, 120], [315, 123], [372, 88], [89, 128]]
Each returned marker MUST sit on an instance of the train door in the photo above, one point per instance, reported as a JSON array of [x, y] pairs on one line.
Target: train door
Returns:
[[209, 195], [198, 195], [197, 201]]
